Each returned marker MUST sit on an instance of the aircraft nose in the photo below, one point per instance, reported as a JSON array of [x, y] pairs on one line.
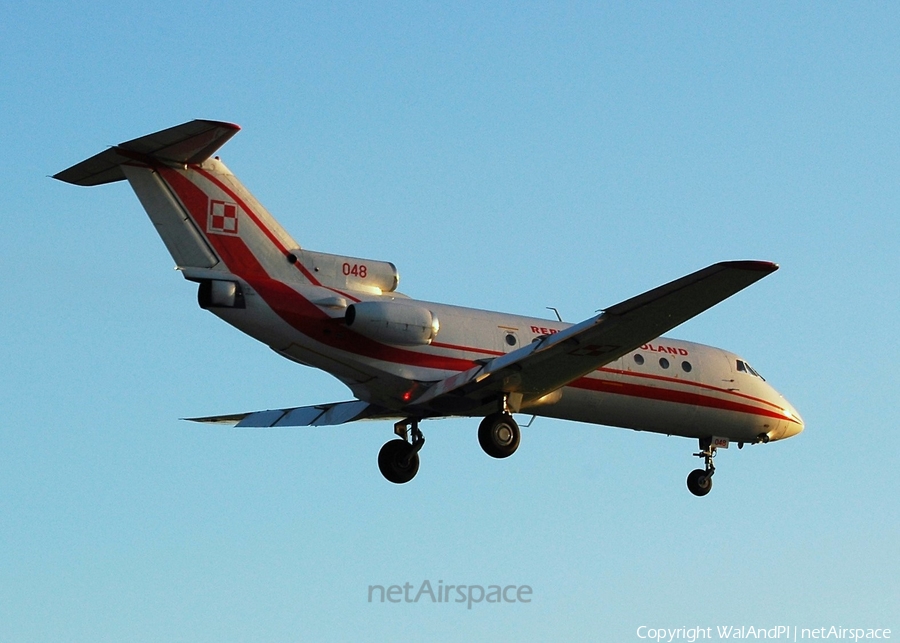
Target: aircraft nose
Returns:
[[794, 422]]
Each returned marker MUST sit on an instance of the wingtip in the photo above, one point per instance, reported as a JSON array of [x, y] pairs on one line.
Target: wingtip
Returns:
[[227, 420], [226, 124], [760, 266]]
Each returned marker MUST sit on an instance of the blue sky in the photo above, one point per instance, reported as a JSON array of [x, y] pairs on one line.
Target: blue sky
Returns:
[[507, 156]]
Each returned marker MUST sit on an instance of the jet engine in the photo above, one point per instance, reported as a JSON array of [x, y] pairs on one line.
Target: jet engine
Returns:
[[337, 271], [393, 323], [217, 293]]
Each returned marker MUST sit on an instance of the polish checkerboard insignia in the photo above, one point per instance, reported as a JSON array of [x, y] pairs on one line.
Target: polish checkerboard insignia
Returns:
[[223, 218]]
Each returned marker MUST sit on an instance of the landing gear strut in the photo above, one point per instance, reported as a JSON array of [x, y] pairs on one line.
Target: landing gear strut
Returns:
[[699, 481], [398, 460]]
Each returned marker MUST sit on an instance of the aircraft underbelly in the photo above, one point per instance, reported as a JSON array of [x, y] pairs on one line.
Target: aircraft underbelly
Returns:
[[624, 411], [660, 415]]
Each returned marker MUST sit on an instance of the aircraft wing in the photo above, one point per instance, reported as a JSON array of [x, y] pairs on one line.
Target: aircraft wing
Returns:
[[318, 415], [553, 361]]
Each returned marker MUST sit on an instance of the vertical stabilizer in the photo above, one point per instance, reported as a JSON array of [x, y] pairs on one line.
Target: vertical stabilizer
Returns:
[[204, 215], [237, 229]]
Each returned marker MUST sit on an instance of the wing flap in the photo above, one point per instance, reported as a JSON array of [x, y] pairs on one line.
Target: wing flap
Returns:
[[331, 414]]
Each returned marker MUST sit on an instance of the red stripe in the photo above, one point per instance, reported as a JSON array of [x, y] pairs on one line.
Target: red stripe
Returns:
[[254, 217], [293, 308], [265, 229], [674, 380], [308, 319], [671, 395], [468, 349], [230, 249]]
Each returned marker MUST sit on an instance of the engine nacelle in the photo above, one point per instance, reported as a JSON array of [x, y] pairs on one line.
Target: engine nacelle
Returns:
[[337, 271], [217, 293], [393, 323]]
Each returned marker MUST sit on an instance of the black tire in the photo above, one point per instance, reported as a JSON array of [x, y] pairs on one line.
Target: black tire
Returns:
[[499, 435], [699, 483], [397, 463]]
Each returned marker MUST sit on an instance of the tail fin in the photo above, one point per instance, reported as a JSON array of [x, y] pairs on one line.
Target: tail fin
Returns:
[[205, 216]]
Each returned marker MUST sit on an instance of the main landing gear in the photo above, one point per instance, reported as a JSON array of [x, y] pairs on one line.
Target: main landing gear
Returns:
[[398, 459], [499, 435], [699, 481]]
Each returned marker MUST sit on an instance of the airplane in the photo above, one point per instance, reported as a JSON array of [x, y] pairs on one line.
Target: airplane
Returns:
[[407, 360]]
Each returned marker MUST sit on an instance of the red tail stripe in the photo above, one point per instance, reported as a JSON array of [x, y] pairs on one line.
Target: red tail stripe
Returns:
[[287, 303], [230, 249], [274, 239], [212, 178]]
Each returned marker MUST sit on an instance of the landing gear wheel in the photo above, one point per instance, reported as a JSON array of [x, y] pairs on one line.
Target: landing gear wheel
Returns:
[[699, 482], [398, 461], [499, 435]]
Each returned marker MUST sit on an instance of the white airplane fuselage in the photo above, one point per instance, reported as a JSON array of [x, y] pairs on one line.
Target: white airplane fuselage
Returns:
[[667, 386], [412, 360]]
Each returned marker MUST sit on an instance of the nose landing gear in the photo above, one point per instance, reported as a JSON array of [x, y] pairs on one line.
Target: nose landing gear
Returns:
[[398, 460], [699, 481]]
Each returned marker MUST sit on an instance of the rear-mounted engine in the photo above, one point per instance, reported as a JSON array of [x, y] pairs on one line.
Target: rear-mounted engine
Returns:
[[216, 293], [393, 323], [351, 273]]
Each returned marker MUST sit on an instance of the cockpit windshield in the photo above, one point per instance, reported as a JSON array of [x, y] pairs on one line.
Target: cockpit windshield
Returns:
[[744, 367]]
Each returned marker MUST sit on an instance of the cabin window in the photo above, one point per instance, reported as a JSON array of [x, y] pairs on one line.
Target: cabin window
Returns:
[[664, 362], [686, 367], [639, 359], [511, 339]]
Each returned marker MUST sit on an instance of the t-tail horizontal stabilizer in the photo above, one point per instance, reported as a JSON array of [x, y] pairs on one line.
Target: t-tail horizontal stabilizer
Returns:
[[188, 143]]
